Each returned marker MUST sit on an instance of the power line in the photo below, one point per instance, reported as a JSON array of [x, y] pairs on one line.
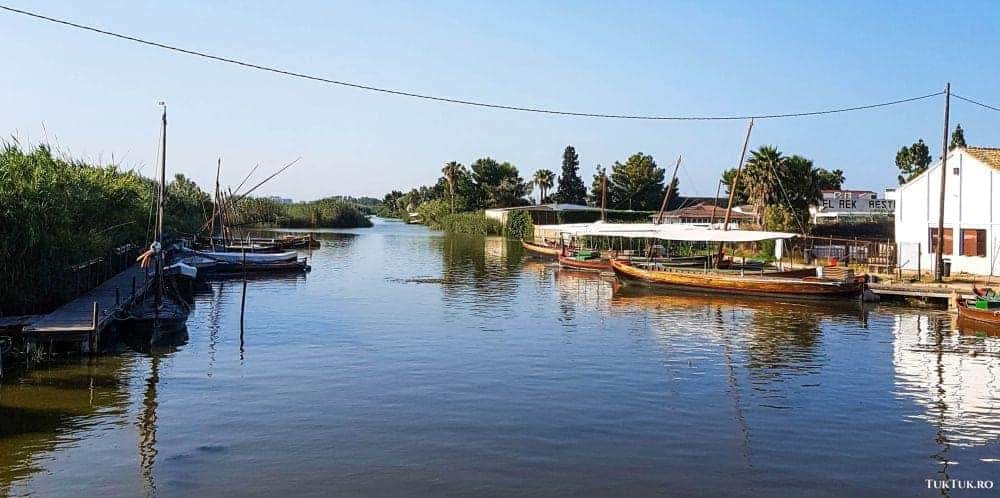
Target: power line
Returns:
[[362, 86], [957, 96]]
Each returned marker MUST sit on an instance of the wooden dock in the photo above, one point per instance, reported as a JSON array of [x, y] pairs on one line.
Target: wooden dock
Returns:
[[94, 310], [921, 291]]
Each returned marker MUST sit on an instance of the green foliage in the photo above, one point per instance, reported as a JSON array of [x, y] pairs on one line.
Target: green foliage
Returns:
[[544, 179], [637, 184], [957, 137], [331, 212], [830, 180], [913, 160], [739, 198], [780, 219], [57, 213], [519, 225], [571, 189], [596, 184], [499, 184], [432, 213], [471, 223]]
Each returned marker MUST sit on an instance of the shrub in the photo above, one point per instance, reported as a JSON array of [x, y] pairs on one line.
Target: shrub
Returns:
[[519, 225], [472, 222]]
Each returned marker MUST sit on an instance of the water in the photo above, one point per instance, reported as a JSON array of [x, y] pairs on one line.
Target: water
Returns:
[[409, 363]]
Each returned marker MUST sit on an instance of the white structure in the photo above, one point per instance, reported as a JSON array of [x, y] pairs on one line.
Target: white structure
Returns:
[[971, 218], [851, 205]]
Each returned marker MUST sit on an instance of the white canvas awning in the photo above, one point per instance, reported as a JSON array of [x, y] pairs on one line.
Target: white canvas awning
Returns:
[[673, 231]]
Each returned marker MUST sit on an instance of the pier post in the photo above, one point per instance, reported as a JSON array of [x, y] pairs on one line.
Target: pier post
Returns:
[[95, 335]]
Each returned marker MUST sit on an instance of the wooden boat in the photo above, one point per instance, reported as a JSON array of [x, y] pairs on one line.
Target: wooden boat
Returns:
[[792, 284], [547, 249], [985, 310], [584, 260], [249, 257]]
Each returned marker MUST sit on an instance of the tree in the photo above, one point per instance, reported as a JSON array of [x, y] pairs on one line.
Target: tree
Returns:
[[499, 184], [571, 189], [545, 179], [450, 172], [637, 184], [728, 176], [594, 198], [830, 180], [760, 178], [912, 161], [957, 137]]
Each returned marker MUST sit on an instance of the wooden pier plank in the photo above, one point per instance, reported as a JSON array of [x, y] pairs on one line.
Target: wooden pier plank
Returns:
[[76, 316]]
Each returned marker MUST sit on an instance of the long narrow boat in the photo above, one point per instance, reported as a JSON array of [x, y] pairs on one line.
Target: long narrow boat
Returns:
[[792, 284], [988, 316], [249, 257], [545, 250], [583, 260]]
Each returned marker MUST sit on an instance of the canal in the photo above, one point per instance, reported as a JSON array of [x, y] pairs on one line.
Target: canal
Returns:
[[412, 363]]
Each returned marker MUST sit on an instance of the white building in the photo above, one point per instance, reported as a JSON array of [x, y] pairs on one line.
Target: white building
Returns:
[[971, 218]]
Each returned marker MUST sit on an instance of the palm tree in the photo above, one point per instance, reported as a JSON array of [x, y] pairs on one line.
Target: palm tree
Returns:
[[760, 178], [545, 180], [451, 170]]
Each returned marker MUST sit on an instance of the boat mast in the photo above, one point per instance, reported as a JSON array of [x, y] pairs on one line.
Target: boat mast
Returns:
[[670, 190], [159, 210], [732, 189]]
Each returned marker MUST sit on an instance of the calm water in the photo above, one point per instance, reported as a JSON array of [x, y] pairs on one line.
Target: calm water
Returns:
[[409, 363]]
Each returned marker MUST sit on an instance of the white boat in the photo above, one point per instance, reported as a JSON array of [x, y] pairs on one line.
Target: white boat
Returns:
[[249, 257]]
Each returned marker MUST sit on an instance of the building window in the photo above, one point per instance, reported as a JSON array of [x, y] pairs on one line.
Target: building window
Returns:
[[954, 171], [932, 241], [973, 242]]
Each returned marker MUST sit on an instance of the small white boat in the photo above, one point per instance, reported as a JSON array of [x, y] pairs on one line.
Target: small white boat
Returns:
[[250, 257]]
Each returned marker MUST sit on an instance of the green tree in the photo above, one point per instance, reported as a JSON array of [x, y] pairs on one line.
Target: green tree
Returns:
[[957, 137], [760, 178], [594, 198], [544, 179], [739, 198], [830, 180], [450, 171], [912, 161], [571, 189], [499, 183], [636, 184]]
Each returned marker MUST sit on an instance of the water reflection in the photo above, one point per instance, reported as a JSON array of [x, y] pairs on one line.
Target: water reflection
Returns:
[[43, 410], [954, 377]]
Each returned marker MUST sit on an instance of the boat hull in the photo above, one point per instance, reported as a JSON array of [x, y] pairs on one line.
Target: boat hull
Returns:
[[715, 283], [986, 317], [238, 257], [540, 249], [585, 265]]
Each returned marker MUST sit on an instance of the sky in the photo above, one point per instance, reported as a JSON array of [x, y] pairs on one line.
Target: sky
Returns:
[[95, 97]]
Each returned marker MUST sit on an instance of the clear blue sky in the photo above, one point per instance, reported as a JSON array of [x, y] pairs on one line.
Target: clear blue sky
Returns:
[[95, 96]]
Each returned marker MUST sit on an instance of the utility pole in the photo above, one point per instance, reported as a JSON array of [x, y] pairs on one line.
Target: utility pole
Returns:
[[604, 194], [939, 257], [670, 189], [733, 187]]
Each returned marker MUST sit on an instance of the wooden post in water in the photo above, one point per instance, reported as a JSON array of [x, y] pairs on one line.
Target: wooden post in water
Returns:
[[243, 303], [939, 258], [94, 335]]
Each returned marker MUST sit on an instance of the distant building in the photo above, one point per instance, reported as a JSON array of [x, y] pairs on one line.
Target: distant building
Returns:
[[280, 200], [851, 206], [705, 214], [971, 214]]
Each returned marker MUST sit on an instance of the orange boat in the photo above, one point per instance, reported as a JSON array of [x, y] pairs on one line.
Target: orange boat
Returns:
[[984, 310], [584, 260], [547, 249], [797, 284]]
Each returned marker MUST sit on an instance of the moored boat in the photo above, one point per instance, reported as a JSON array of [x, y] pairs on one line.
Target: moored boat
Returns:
[[797, 284], [249, 257], [546, 249], [584, 260]]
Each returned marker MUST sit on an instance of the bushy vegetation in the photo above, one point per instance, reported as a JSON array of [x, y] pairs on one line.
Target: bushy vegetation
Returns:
[[519, 225], [56, 214], [472, 223], [331, 212]]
